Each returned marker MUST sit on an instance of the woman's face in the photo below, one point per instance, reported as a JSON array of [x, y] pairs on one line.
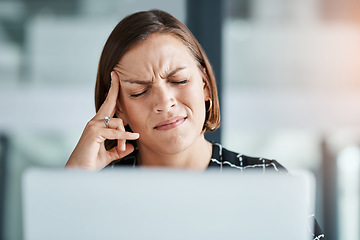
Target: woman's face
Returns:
[[162, 94]]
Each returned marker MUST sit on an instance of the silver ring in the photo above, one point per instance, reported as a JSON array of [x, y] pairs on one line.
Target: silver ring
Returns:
[[106, 120]]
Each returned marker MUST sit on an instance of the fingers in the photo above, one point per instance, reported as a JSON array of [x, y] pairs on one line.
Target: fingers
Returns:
[[114, 131], [114, 153], [117, 123], [108, 108], [113, 134], [114, 123], [121, 142]]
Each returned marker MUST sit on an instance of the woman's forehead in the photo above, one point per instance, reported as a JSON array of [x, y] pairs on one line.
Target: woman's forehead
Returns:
[[159, 53]]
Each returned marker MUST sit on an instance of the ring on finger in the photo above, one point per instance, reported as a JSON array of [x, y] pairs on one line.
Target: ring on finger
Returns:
[[106, 120]]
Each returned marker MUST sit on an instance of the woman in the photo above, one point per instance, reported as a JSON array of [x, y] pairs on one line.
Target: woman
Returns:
[[155, 97]]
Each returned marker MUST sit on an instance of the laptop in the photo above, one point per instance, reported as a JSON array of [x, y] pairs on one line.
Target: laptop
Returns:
[[161, 204]]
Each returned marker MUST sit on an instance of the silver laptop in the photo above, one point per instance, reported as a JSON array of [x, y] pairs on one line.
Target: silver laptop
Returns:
[[165, 204]]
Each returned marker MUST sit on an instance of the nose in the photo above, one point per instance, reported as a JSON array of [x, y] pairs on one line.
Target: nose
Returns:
[[164, 99]]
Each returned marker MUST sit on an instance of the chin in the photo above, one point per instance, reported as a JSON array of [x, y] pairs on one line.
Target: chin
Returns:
[[173, 145]]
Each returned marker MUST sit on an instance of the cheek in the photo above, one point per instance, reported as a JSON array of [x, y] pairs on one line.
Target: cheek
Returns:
[[135, 113], [194, 97], [132, 111]]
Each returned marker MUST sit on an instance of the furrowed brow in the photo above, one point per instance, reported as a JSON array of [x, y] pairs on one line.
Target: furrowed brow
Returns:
[[172, 73], [136, 82], [145, 82]]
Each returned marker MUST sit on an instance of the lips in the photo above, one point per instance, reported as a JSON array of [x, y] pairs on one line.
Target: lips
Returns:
[[170, 123]]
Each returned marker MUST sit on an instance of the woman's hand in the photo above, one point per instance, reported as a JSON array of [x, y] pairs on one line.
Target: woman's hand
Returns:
[[90, 152]]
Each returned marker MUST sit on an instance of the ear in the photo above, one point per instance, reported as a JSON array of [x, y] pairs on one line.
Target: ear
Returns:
[[120, 113], [206, 86]]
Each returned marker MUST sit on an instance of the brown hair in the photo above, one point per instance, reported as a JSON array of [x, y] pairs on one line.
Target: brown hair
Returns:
[[136, 28]]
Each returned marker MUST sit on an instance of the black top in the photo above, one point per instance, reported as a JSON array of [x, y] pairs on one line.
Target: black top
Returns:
[[226, 160]]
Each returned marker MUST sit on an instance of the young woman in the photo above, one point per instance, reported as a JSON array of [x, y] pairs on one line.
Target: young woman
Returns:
[[155, 97]]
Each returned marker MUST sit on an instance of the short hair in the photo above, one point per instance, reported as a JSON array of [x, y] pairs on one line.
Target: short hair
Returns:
[[136, 28]]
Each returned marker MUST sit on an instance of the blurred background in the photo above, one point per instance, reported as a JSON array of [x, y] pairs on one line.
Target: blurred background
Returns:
[[288, 73]]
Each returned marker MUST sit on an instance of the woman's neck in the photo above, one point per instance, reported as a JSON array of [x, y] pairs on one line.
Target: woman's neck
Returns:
[[196, 157]]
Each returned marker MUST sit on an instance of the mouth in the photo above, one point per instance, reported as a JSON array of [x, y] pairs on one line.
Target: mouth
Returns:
[[170, 123]]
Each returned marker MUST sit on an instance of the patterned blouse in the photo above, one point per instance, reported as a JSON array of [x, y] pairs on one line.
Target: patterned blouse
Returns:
[[226, 160]]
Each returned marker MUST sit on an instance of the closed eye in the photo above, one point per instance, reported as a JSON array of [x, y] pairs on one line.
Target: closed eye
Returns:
[[181, 82], [138, 94]]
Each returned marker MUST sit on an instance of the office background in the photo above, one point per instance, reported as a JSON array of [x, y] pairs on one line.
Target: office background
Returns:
[[288, 72]]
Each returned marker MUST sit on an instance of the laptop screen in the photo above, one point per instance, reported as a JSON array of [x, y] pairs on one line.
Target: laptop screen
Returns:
[[165, 204]]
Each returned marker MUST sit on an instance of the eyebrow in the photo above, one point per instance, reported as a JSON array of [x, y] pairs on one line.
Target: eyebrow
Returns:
[[145, 82], [172, 73], [141, 82]]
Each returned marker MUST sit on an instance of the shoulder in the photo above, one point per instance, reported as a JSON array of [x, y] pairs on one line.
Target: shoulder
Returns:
[[233, 160]]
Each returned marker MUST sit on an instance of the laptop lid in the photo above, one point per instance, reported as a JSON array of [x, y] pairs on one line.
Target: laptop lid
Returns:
[[165, 204]]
